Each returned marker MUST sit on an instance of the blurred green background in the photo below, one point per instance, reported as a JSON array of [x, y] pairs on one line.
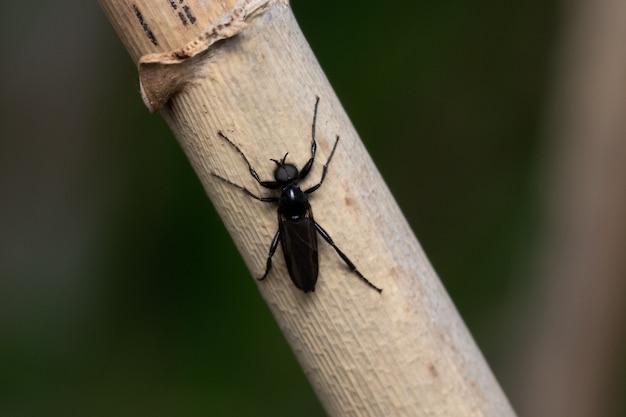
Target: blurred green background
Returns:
[[121, 292]]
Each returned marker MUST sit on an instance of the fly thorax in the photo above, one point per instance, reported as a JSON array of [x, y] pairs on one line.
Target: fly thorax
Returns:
[[293, 202]]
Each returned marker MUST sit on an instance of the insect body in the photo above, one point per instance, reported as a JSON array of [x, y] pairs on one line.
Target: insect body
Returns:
[[297, 229]]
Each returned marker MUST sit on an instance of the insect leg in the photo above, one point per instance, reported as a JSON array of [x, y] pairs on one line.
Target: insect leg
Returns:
[[348, 262], [266, 184], [307, 167], [273, 247], [318, 185], [245, 190]]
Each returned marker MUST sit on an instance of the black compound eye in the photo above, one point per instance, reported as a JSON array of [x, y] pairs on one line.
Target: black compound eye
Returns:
[[286, 173]]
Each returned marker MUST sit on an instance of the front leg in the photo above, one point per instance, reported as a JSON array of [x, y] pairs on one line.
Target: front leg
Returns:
[[316, 186], [307, 167], [245, 190], [267, 184]]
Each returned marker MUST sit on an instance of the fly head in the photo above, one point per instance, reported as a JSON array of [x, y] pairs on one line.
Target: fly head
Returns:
[[285, 173]]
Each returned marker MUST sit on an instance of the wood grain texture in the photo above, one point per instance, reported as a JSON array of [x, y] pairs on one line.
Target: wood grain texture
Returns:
[[403, 352]]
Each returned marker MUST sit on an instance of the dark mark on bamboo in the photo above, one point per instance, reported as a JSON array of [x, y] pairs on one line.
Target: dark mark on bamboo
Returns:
[[144, 25]]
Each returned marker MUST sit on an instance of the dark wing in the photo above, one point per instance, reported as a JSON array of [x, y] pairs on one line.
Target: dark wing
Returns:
[[299, 241]]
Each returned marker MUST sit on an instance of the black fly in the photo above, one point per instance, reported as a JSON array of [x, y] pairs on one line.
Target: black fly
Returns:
[[297, 230]]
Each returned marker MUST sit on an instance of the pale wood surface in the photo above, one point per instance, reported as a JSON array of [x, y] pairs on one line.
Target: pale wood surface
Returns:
[[405, 352]]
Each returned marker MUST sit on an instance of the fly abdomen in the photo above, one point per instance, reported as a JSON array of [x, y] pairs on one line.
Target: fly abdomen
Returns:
[[298, 239]]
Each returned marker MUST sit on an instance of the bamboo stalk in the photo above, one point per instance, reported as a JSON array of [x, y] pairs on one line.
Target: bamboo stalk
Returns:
[[253, 76], [575, 336]]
